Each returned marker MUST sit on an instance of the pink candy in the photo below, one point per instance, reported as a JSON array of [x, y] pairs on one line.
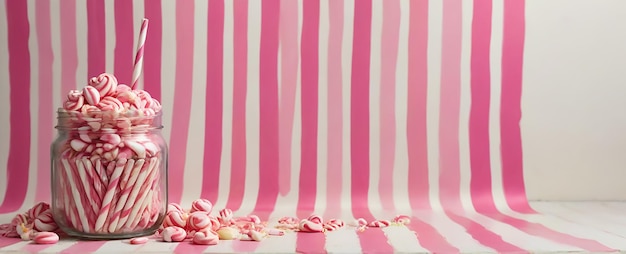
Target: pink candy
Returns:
[[402, 219], [206, 238], [379, 223], [309, 226], [316, 219], [201, 205], [139, 240], [92, 96], [38, 209], [226, 215], [173, 234], [46, 238], [199, 221], [288, 220], [45, 222], [175, 218], [105, 84]]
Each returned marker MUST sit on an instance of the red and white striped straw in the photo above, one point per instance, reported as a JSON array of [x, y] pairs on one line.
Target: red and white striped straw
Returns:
[[139, 56]]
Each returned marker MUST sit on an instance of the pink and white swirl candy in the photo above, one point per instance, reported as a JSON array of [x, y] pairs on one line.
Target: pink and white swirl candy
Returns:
[[38, 209], [309, 226], [274, 231], [171, 206], [202, 205], [175, 219], [21, 218], [110, 104], [139, 240], [254, 219], [226, 216], [402, 219], [92, 96], [105, 84], [379, 223], [46, 238], [288, 220], [199, 221], [45, 222], [206, 237], [256, 235], [337, 222], [330, 226], [145, 100], [173, 234], [75, 101], [316, 219]]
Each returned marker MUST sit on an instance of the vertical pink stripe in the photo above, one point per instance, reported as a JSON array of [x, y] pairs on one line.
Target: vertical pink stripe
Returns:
[[95, 38], [268, 81], [335, 109], [416, 106], [484, 236], [450, 105], [69, 56], [480, 185], [429, 238], [389, 58], [124, 37], [84, 247], [510, 106], [240, 77], [213, 104], [19, 76], [374, 240], [359, 108], [310, 243], [182, 98], [308, 141], [46, 111], [152, 49], [288, 77]]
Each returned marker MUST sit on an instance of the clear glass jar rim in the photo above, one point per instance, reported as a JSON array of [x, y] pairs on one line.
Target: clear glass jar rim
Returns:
[[68, 119]]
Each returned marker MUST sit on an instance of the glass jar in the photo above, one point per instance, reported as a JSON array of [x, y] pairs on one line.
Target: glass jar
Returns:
[[109, 174]]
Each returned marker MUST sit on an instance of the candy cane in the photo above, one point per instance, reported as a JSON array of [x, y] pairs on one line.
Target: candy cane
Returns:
[[154, 163], [77, 199], [108, 197], [130, 172], [90, 192], [133, 196]]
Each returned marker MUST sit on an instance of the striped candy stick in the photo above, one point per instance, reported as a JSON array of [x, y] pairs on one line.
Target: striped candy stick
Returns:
[[70, 217], [148, 187], [93, 175], [140, 185], [108, 197], [125, 181], [86, 200], [90, 191], [125, 192], [138, 66], [82, 217], [129, 202]]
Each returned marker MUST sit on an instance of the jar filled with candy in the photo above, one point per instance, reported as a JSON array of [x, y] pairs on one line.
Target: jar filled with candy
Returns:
[[109, 162]]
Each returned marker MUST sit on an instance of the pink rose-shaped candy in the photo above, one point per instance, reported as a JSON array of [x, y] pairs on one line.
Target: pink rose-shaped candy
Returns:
[[75, 101], [202, 205], [198, 221], [206, 238], [174, 234], [45, 222], [92, 96]]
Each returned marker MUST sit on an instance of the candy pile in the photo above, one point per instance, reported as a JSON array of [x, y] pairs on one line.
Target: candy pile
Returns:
[[197, 224], [107, 164], [35, 224]]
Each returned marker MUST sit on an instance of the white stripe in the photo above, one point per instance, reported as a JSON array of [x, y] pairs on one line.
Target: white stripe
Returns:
[[346, 65], [5, 102], [401, 160], [81, 44], [343, 240], [455, 234], [403, 240], [16, 247], [322, 110], [227, 100], [435, 10], [138, 15], [119, 246], [110, 38], [465, 104], [252, 109], [374, 104], [58, 247], [168, 63], [157, 246], [55, 40], [278, 244], [494, 109], [603, 213], [194, 158], [34, 106]]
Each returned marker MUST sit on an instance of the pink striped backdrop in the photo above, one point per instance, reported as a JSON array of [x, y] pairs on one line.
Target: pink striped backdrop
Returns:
[[343, 108]]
